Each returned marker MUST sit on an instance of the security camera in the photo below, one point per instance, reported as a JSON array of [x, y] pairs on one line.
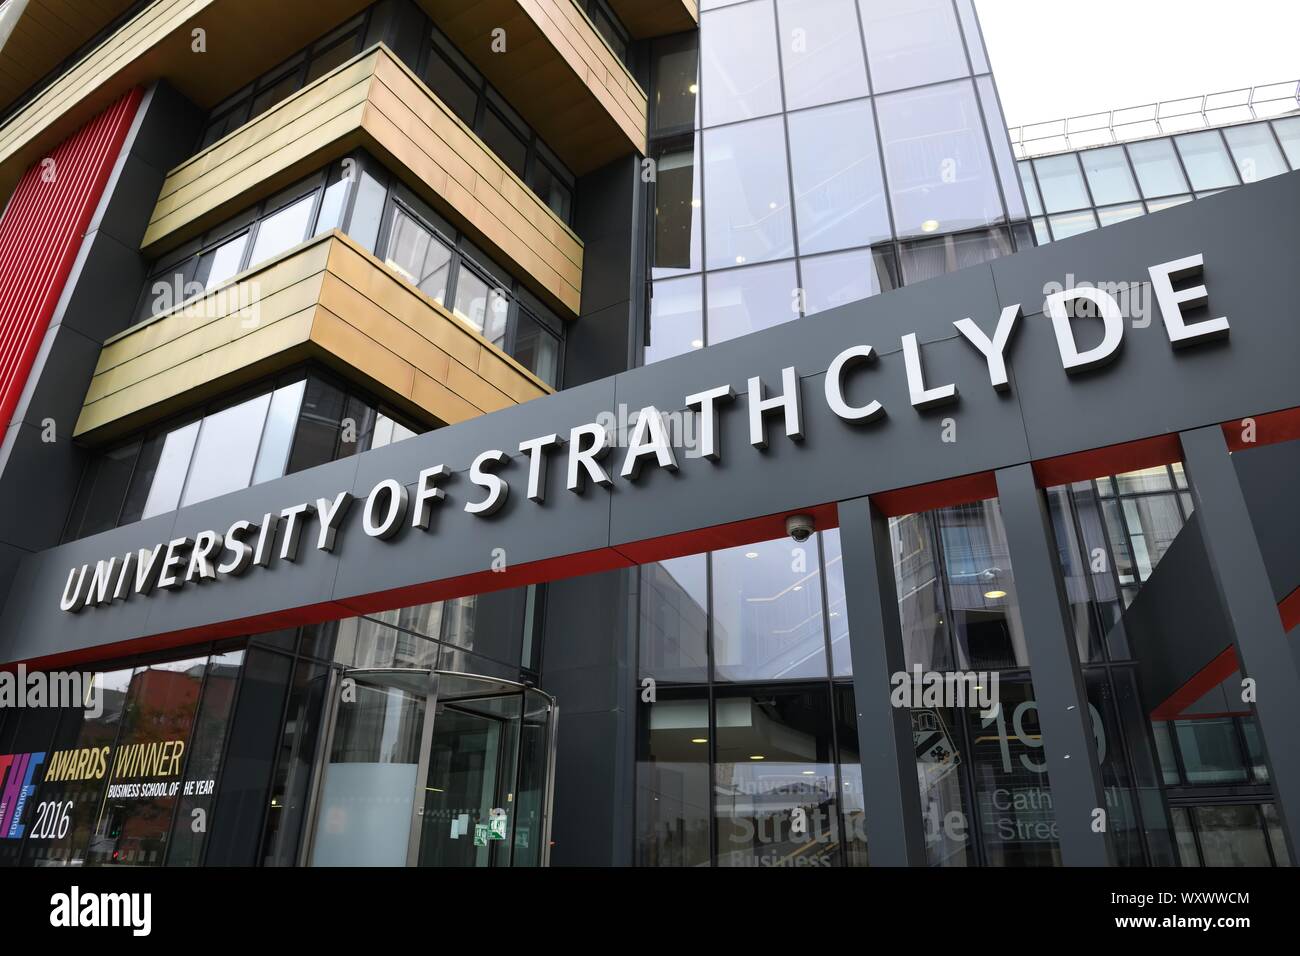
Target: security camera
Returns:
[[800, 527]]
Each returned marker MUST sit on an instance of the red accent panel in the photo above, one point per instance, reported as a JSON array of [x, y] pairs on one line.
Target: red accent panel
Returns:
[[1111, 460], [724, 535], [1290, 610], [1203, 681], [1269, 429], [938, 494], [40, 233]]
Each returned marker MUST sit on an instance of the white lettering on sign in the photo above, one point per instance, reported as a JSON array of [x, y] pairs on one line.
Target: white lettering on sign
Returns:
[[212, 556]]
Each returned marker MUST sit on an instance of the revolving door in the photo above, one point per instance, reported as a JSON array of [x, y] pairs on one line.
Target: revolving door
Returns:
[[433, 768]]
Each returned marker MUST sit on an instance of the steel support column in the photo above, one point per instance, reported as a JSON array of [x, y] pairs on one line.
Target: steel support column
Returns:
[[889, 790], [1068, 741], [1250, 608]]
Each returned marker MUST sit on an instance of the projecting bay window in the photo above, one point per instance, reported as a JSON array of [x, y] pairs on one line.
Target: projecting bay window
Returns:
[[362, 199], [424, 249], [308, 208]]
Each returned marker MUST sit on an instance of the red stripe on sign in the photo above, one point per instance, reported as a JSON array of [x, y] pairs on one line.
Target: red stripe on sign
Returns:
[[40, 234]]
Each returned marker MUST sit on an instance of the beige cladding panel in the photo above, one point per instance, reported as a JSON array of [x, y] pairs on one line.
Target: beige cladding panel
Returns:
[[375, 101], [328, 299]]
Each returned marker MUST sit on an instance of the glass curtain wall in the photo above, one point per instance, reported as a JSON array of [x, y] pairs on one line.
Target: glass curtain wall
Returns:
[[1076, 192], [747, 755], [810, 153]]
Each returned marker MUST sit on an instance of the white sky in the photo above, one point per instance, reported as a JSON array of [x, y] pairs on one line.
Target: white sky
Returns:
[[1055, 58]]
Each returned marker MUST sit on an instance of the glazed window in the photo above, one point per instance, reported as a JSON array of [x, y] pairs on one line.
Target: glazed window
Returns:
[[460, 86], [299, 420], [429, 253], [249, 239], [285, 79], [608, 25], [360, 198]]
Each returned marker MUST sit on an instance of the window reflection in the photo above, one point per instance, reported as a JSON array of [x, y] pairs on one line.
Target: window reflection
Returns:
[[1231, 836], [821, 53], [673, 780], [912, 42], [842, 277], [80, 731], [1206, 160], [738, 63], [774, 779], [1288, 134], [297, 421], [981, 587], [1113, 214], [1157, 168], [204, 761], [1067, 224], [675, 76], [839, 193], [1061, 182], [747, 300], [168, 477], [677, 224], [674, 619], [418, 254], [937, 160], [1255, 152], [676, 319], [767, 614], [1012, 792], [923, 259], [1109, 175], [223, 456], [1155, 205], [283, 229], [136, 815], [748, 190], [1026, 171]]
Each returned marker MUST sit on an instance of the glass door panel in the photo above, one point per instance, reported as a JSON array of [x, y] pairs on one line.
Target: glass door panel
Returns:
[[367, 797]]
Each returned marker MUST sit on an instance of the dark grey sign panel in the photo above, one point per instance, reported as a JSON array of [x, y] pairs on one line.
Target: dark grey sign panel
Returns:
[[1248, 238]]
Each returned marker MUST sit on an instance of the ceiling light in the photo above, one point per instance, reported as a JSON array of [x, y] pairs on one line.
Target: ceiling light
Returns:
[[810, 773], [751, 554], [757, 757], [696, 202], [930, 225], [693, 88], [699, 740], [995, 595]]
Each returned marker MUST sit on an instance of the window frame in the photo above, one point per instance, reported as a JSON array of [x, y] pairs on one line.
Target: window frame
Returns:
[[222, 402]]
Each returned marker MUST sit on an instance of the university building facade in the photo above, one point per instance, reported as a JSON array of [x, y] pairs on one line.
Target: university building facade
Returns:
[[551, 433]]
